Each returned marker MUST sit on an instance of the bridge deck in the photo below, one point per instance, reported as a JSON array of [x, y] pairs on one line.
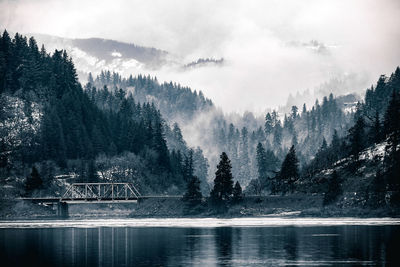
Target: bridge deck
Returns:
[[81, 200], [97, 193]]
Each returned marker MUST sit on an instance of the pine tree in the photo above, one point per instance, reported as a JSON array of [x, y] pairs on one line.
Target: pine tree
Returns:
[[294, 113], [334, 189], [244, 166], [160, 146], [223, 181], [268, 127], [193, 194], [392, 132], [289, 173], [261, 162], [33, 181], [357, 137], [278, 135], [304, 110], [188, 169], [237, 193], [375, 133], [335, 148]]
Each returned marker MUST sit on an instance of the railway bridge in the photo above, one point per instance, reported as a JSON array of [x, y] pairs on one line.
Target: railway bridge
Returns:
[[91, 193]]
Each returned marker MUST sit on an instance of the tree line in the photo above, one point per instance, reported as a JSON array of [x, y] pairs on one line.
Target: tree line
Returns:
[[82, 130]]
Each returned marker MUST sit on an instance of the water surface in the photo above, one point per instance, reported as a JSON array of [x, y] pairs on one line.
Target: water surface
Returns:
[[176, 242]]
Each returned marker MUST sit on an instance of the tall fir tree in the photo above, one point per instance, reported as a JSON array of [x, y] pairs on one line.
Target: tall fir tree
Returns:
[[357, 137], [392, 158], [223, 182], [193, 194], [261, 162], [289, 172]]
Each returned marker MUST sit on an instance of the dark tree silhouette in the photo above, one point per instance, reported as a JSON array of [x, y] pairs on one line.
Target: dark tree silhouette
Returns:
[[193, 194], [223, 182], [33, 181], [237, 193], [289, 173], [334, 189], [357, 137], [392, 158]]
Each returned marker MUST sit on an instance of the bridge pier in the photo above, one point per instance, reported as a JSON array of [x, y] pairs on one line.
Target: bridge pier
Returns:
[[62, 209]]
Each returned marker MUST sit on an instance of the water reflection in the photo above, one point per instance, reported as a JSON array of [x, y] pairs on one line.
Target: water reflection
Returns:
[[224, 246]]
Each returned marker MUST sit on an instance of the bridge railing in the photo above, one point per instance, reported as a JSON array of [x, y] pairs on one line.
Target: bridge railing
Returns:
[[101, 191]]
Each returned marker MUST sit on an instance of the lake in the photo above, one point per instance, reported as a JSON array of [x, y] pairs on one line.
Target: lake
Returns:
[[201, 242]]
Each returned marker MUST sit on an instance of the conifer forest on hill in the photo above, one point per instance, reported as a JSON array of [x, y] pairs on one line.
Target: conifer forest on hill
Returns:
[[55, 131]]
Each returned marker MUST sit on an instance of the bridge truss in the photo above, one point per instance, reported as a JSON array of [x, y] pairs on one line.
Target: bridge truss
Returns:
[[101, 192]]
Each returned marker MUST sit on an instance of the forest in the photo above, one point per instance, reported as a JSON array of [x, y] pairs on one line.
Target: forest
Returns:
[[55, 131]]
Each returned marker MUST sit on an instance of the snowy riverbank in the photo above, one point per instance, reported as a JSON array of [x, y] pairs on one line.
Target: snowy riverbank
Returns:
[[267, 206]]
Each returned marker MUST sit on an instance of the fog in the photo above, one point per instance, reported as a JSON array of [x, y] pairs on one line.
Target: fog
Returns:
[[266, 45]]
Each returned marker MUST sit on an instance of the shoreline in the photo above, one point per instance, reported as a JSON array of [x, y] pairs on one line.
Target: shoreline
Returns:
[[294, 206], [199, 222]]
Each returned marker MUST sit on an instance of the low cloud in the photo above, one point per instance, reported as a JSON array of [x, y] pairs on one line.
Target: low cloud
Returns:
[[255, 38]]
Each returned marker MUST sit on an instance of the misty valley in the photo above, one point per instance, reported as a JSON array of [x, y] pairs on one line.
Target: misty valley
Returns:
[[103, 163], [169, 140]]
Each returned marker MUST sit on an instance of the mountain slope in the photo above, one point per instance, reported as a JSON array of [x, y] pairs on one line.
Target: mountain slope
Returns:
[[49, 118]]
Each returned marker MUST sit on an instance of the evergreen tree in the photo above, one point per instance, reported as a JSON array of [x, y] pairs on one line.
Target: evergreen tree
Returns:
[[392, 132], [294, 113], [268, 127], [33, 181], [160, 146], [278, 135], [261, 162], [375, 132], [334, 189], [357, 137], [223, 181], [335, 148], [188, 169], [289, 173], [237, 193], [193, 194], [304, 111], [244, 161]]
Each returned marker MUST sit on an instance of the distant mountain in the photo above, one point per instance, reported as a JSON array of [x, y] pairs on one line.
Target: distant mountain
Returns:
[[96, 54], [110, 50]]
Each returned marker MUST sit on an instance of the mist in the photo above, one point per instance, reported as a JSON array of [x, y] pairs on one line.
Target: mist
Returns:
[[270, 48]]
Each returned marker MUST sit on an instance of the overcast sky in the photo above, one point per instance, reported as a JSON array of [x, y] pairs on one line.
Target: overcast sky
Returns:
[[260, 40]]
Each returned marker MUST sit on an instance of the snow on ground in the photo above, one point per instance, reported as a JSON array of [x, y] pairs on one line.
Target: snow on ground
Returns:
[[200, 222], [18, 124], [373, 152], [116, 54]]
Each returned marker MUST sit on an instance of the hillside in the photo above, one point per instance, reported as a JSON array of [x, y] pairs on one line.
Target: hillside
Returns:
[[48, 122], [54, 132]]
